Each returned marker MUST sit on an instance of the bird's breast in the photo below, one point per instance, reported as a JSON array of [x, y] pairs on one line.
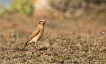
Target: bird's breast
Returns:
[[37, 37]]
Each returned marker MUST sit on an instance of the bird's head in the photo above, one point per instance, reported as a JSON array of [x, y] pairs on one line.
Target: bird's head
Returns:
[[42, 22]]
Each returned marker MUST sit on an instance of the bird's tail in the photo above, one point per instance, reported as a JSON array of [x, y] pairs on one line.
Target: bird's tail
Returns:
[[25, 45]]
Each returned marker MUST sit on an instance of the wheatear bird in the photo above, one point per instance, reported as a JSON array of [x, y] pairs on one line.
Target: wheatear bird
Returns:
[[37, 34]]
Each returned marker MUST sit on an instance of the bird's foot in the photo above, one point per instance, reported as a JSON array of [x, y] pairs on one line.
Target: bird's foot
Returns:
[[35, 48]]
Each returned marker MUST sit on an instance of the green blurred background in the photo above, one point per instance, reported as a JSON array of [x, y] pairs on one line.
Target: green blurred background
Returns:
[[55, 8]]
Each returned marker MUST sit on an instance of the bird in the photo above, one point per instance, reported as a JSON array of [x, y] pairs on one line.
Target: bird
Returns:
[[36, 34]]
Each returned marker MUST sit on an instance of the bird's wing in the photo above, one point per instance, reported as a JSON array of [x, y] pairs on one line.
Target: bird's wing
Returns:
[[36, 31]]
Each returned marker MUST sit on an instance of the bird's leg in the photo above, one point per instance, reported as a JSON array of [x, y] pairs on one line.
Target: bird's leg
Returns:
[[35, 46]]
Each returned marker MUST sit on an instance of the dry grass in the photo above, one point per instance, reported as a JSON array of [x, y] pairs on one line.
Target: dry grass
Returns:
[[75, 41]]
